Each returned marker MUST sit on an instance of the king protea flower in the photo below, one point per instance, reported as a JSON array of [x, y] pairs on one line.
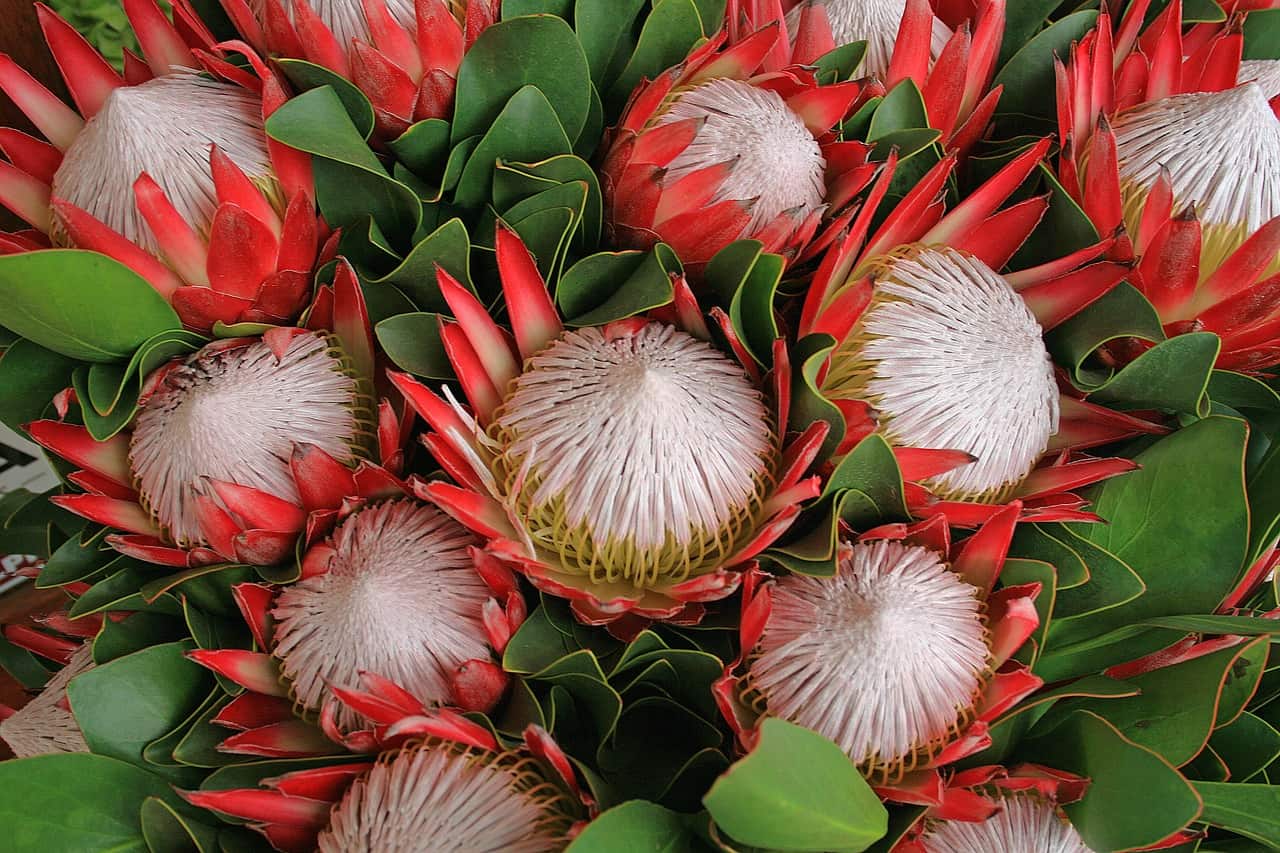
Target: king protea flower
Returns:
[[945, 357], [903, 659], [905, 40], [238, 448], [713, 151], [458, 790], [166, 170], [403, 54], [1171, 148], [45, 724], [398, 594], [633, 468]]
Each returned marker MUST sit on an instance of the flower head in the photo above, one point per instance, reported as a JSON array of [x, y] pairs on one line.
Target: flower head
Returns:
[[237, 446], [166, 170], [457, 790], [712, 151], [629, 467], [1172, 149], [902, 659], [1024, 821], [403, 54], [944, 356]]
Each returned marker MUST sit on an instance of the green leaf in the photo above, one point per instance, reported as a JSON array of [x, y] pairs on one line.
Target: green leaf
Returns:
[[1173, 375], [1196, 473], [1262, 34], [527, 129], [74, 561], [1246, 746], [1121, 313], [1177, 709], [1135, 797], [166, 831], [412, 342], [124, 705], [538, 51], [351, 184], [449, 247], [76, 802], [1249, 810], [1022, 21], [810, 354], [1027, 77], [797, 791], [604, 28], [902, 109], [306, 76], [609, 286], [30, 377], [80, 304], [1264, 503], [669, 33]]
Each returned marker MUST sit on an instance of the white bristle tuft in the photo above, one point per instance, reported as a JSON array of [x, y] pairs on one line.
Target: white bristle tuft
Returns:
[[1025, 824]]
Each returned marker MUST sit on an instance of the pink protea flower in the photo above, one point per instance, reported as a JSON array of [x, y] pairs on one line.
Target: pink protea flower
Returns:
[[989, 808], [457, 790], [903, 658], [944, 356], [241, 447], [397, 595], [634, 469], [1158, 139], [403, 54], [713, 151], [168, 171], [905, 40]]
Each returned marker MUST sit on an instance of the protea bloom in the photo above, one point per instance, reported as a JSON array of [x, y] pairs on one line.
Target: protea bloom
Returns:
[[713, 151], [945, 358], [398, 593], [166, 170], [905, 40], [45, 724], [403, 54], [456, 791], [1135, 118], [903, 658], [240, 447], [632, 468], [1024, 814]]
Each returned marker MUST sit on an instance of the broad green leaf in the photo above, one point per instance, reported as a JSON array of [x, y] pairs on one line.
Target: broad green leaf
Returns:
[[1246, 746], [1027, 77], [604, 28], [1196, 473], [30, 377], [1022, 21], [448, 247], [637, 827], [80, 304], [1135, 798], [1250, 810], [76, 802], [527, 129], [670, 31], [797, 791], [167, 831], [1121, 313], [610, 286], [809, 355], [1262, 34], [538, 51], [76, 560], [1264, 503], [124, 705], [1173, 375], [412, 342], [307, 75], [902, 109]]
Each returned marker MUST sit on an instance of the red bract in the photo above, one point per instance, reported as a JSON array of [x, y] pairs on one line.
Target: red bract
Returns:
[[717, 149], [1131, 103], [219, 244], [407, 68]]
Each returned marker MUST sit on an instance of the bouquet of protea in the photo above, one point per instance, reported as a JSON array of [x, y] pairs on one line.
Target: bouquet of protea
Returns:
[[620, 425]]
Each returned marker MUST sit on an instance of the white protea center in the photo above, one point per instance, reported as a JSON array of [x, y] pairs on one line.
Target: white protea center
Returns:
[[1026, 823], [886, 659], [1222, 152], [1264, 72], [346, 18], [236, 414], [445, 801], [951, 358], [644, 455], [777, 163], [874, 21], [163, 127], [401, 598], [44, 725]]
